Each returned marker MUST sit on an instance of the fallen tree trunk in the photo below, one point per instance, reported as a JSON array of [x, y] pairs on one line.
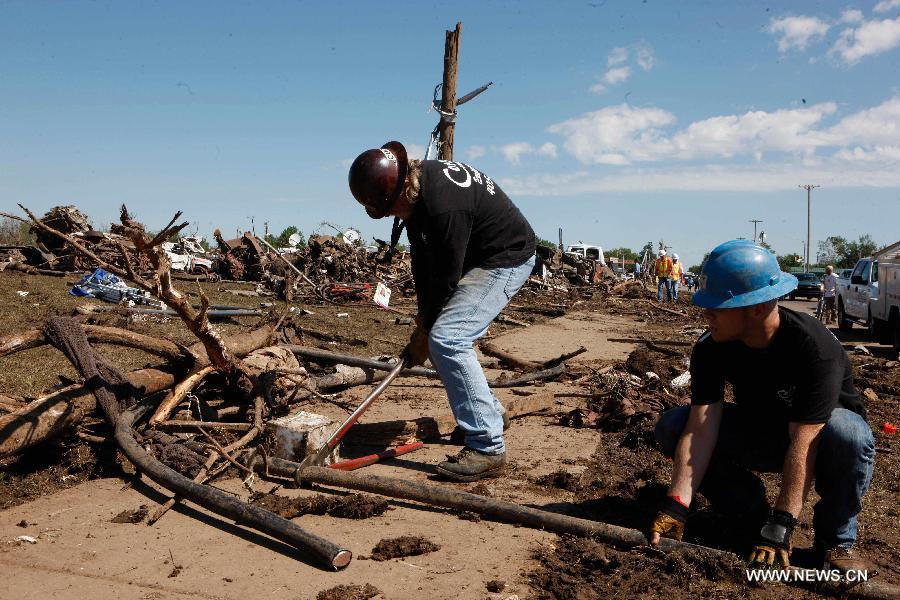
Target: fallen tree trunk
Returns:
[[34, 338], [49, 415]]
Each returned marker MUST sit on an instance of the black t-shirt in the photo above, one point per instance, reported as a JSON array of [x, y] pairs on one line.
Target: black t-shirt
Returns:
[[801, 377], [462, 220]]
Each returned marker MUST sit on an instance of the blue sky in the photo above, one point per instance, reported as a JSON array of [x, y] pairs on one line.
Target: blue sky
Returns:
[[619, 121]]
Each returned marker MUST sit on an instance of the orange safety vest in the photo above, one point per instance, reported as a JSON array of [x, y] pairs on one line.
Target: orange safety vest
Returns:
[[663, 266], [676, 271]]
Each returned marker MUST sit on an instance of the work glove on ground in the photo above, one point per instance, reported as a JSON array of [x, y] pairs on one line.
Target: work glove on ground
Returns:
[[773, 548], [670, 519], [417, 349]]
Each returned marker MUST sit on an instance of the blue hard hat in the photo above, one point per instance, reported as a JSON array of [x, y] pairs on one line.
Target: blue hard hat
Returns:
[[740, 273]]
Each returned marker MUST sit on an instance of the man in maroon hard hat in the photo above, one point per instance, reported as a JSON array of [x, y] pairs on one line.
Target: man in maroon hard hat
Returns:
[[471, 252]]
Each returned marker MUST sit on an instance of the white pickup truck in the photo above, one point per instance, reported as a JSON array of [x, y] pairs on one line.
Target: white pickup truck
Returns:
[[871, 296]]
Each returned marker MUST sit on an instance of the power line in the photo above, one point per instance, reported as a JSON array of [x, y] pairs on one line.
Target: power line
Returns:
[[755, 223]]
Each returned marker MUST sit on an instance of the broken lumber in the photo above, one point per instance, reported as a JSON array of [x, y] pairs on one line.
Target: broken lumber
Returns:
[[51, 414], [505, 357], [393, 433], [68, 336]]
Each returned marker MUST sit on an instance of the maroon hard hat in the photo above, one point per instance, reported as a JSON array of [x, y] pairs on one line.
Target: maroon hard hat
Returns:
[[377, 177]]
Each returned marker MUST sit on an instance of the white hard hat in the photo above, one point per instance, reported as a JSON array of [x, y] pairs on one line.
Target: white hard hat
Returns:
[[674, 257], [662, 252]]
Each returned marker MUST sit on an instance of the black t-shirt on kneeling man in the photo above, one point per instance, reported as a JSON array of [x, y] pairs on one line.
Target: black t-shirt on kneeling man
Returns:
[[801, 377]]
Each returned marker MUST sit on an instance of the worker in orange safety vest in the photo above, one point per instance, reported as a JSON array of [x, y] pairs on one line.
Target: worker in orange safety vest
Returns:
[[677, 276], [663, 271]]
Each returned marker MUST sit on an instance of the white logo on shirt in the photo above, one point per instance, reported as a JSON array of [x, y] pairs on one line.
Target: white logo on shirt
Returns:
[[786, 395], [456, 168], [470, 174]]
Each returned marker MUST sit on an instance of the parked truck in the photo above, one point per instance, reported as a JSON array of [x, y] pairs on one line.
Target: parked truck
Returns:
[[870, 296]]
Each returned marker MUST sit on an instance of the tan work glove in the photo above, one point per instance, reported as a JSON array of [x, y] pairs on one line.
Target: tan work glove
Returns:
[[669, 521], [773, 549], [417, 349]]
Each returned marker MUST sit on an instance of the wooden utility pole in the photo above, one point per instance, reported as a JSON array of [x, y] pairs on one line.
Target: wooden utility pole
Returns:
[[448, 93], [809, 188]]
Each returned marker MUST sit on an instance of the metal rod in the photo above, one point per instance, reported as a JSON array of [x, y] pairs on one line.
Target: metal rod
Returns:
[[370, 459]]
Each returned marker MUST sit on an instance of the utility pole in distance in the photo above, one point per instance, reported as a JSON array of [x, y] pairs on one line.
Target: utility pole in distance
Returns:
[[809, 188], [755, 223]]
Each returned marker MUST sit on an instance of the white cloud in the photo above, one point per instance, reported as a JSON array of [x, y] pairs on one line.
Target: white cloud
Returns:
[[881, 154], [548, 149], [617, 56], [645, 57], [612, 77], [797, 32], [709, 178], [879, 125], [619, 72], [886, 5], [872, 37], [513, 152], [852, 15], [621, 135], [474, 152], [614, 135], [861, 149]]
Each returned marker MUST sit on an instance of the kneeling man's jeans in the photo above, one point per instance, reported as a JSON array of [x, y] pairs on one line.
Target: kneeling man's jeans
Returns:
[[844, 465], [479, 297]]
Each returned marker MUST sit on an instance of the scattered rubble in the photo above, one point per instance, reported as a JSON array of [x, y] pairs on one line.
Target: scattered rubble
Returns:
[[349, 592], [408, 545]]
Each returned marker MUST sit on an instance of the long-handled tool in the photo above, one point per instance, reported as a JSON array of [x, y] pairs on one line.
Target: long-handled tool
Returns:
[[317, 459]]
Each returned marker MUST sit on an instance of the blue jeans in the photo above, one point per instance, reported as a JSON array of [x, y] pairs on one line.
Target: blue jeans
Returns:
[[663, 282], [844, 465], [675, 285], [479, 297]]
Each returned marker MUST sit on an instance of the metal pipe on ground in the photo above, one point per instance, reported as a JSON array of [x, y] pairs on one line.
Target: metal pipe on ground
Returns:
[[368, 363], [514, 513]]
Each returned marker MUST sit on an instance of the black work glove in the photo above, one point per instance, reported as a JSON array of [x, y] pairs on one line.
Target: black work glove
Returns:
[[417, 349], [670, 519], [773, 549]]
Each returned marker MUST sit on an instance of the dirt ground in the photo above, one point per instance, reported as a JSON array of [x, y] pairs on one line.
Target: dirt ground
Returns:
[[66, 495]]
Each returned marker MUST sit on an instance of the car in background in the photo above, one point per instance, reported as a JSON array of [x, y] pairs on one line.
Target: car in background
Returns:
[[845, 274], [808, 285]]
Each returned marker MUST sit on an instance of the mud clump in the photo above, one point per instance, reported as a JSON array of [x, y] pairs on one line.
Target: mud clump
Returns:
[[349, 592], [562, 480], [407, 545], [132, 516], [641, 360], [351, 506], [495, 585], [585, 569]]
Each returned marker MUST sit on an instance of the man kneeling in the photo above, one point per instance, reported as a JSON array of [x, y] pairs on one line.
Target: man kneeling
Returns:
[[796, 412]]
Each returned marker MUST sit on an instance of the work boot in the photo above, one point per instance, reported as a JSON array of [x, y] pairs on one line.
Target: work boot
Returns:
[[844, 560], [458, 436], [471, 465]]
